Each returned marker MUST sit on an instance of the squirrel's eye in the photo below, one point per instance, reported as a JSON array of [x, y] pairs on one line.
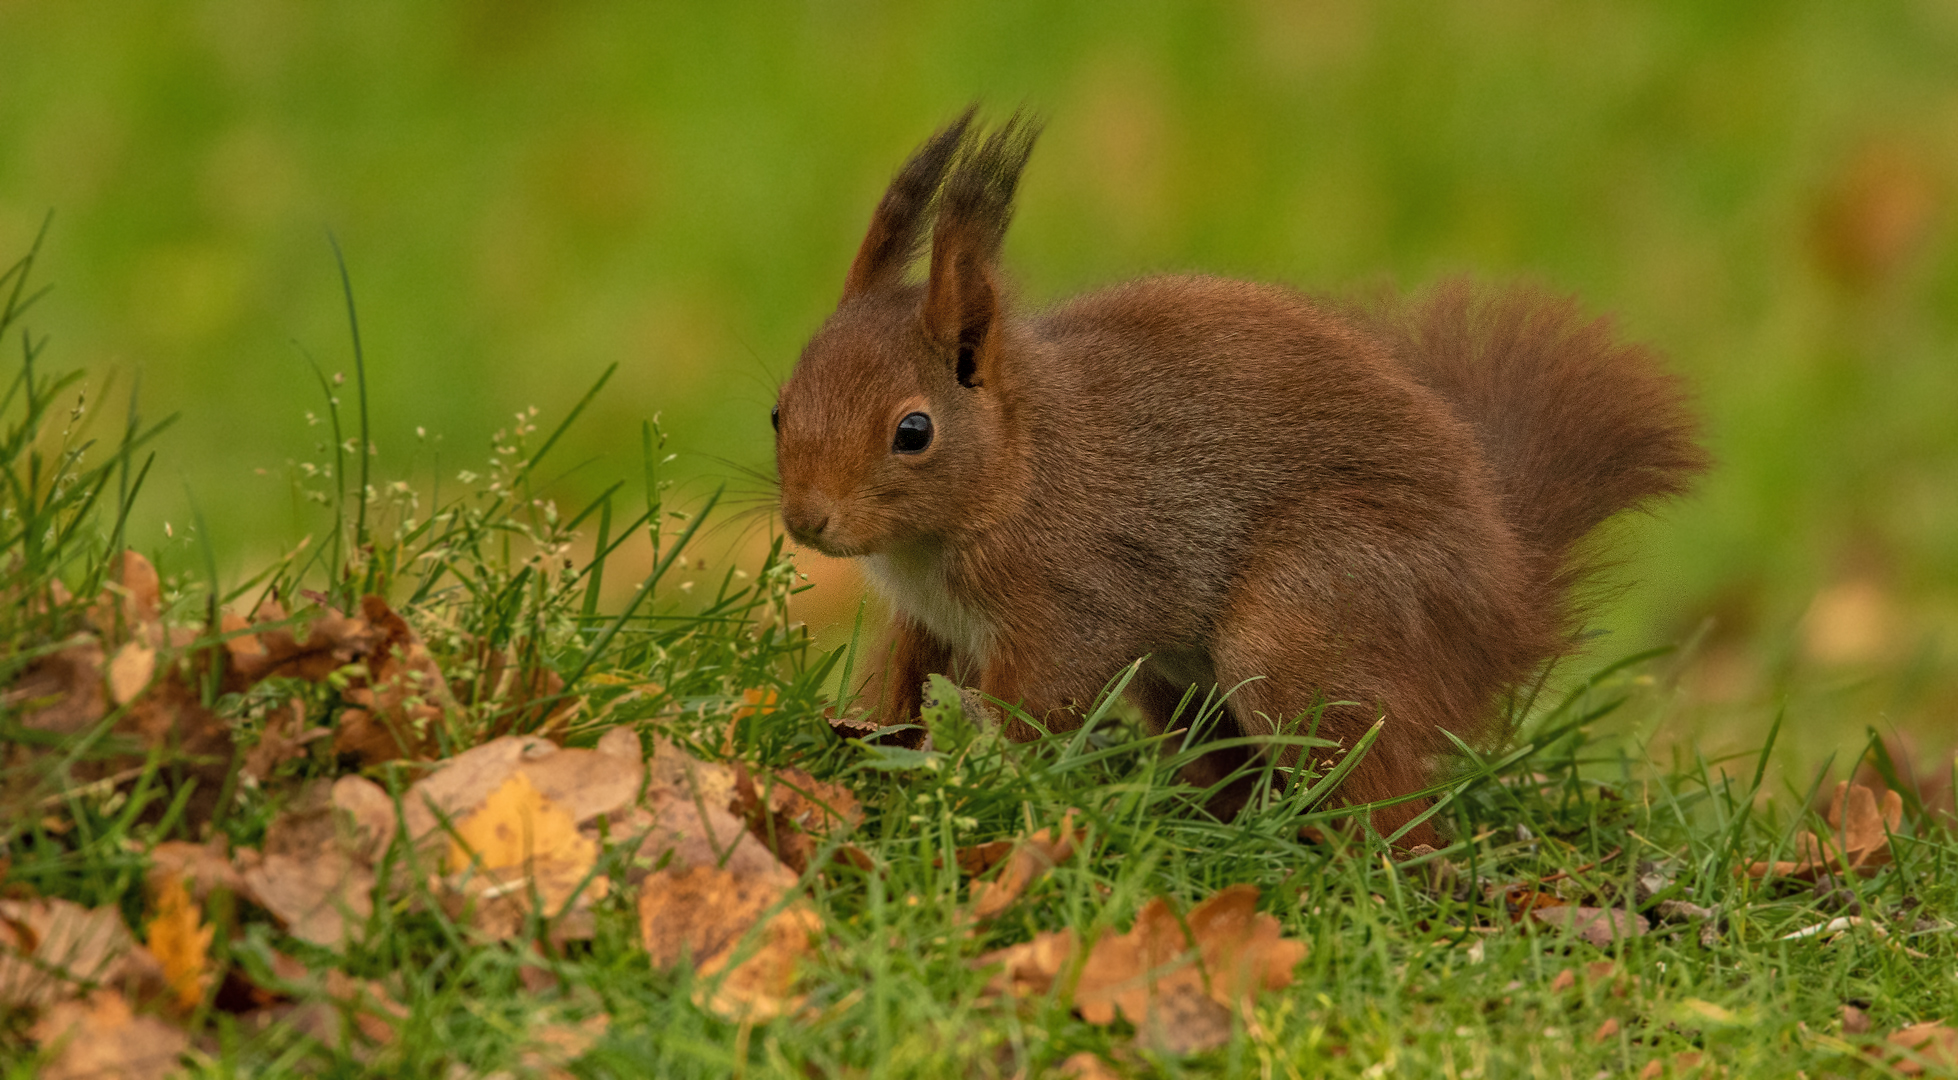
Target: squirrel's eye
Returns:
[[775, 418], [913, 434]]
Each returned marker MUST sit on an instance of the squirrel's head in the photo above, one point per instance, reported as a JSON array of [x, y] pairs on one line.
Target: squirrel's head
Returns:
[[897, 425]]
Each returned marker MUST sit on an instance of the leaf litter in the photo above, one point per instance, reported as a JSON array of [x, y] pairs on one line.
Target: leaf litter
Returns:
[[1858, 841], [1181, 981]]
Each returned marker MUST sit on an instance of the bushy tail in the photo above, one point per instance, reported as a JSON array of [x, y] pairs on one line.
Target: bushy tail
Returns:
[[1578, 426]]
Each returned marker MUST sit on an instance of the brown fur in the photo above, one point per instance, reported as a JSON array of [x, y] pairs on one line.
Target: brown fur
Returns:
[[1369, 504]]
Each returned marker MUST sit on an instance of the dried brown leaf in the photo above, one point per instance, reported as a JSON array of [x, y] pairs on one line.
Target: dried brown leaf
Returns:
[[674, 770], [701, 911], [138, 585], [787, 810], [332, 640], [49, 949], [402, 699], [707, 913], [366, 817], [1860, 822], [316, 872], [62, 691], [552, 1046], [130, 670], [586, 783], [284, 737], [1026, 861], [337, 1009], [1922, 1046], [1030, 968], [202, 867], [101, 1037], [1086, 1065], [318, 898], [1179, 981], [756, 983]]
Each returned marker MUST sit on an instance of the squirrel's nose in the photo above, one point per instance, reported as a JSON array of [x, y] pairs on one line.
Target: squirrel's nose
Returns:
[[806, 517]]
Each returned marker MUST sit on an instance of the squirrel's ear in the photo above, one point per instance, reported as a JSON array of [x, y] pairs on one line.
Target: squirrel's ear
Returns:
[[961, 299], [898, 226], [962, 296]]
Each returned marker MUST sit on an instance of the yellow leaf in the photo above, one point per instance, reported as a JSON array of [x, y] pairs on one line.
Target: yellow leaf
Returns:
[[181, 941], [517, 824], [519, 841]]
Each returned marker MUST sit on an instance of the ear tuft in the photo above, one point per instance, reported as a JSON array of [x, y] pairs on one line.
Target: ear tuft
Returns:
[[897, 228], [961, 297]]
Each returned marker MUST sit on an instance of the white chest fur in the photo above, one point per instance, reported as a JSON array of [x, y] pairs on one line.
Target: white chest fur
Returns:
[[914, 583]]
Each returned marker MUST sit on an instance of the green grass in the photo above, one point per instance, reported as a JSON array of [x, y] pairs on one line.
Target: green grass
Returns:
[[1415, 966]]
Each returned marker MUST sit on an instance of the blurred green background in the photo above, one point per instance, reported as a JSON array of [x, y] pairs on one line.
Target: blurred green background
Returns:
[[527, 192]]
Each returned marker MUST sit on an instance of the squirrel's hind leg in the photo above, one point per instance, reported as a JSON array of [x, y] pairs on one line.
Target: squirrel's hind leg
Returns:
[[1297, 681]]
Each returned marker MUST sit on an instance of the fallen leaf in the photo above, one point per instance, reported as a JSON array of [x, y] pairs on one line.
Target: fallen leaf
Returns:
[[101, 1037], [673, 769], [1858, 839], [283, 737], [1698, 1009], [366, 816], [402, 698], [854, 727], [316, 872], [1682, 1064], [139, 585], [460, 784], [1030, 968], [552, 1046], [701, 911], [519, 847], [1927, 1045], [756, 984], [1025, 861], [1521, 900], [356, 1015], [1599, 926], [707, 913], [788, 810], [62, 691], [586, 783], [333, 640], [1180, 981], [1605, 1030], [1854, 1021], [181, 941], [202, 867], [130, 671], [1086, 1065], [50, 949], [171, 716], [1682, 911], [1564, 981]]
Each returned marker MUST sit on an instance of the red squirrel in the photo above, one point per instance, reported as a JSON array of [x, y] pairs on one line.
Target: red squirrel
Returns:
[[1376, 506]]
